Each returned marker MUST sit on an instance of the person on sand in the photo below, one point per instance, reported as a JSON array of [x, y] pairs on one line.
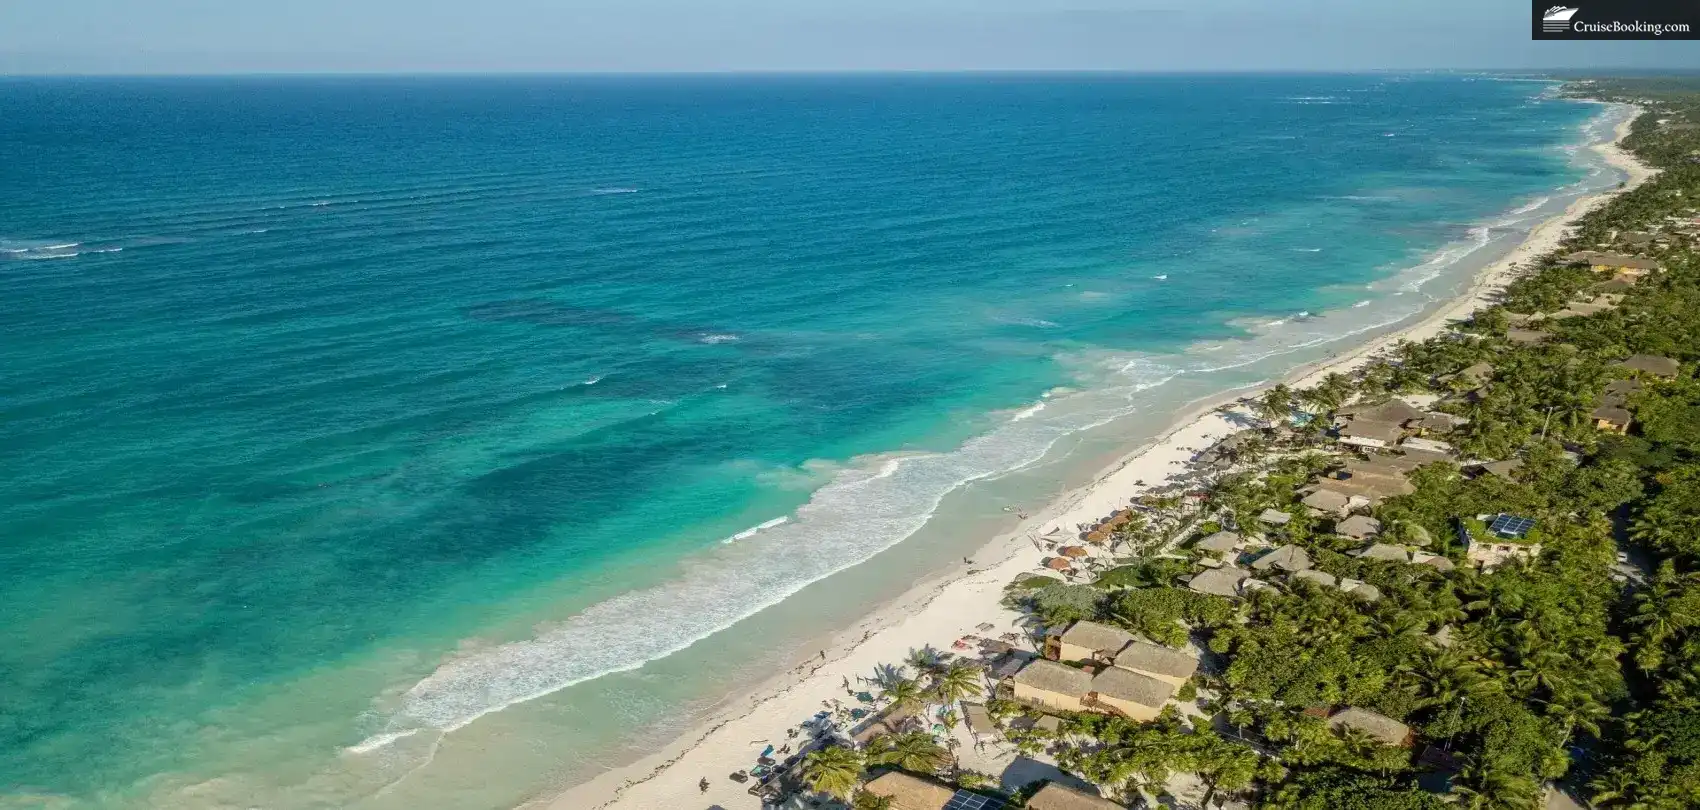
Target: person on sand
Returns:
[[703, 785]]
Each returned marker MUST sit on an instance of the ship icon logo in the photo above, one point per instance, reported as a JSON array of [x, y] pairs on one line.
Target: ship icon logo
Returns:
[[1557, 19]]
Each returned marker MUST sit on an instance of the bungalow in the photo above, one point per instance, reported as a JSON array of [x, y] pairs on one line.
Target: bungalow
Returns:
[[1611, 418], [1220, 544], [1275, 517], [1434, 561], [1629, 267], [1490, 540], [1321, 578], [1618, 392], [1393, 411], [1087, 641], [1503, 468], [1584, 305], [1358, 527], [1360, 590], [910, 792], [1327, 502], [1384, 729], [1439, 422], [1155, 661], [1473, 376], [1383, 552], [1366, 482], [1224, 581], [1054, 796], [1128, 693], [1436, 448], [1051, 685], [1652, 364], [1526, 337], [1289, 558], [1113, 690], [1367, 433], [1639, 239]]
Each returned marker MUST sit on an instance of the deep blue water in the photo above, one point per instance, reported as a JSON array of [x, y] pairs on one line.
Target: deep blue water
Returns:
[[297, 371]]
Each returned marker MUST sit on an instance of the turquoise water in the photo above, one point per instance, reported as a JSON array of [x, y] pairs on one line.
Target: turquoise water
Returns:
[[341, 413]]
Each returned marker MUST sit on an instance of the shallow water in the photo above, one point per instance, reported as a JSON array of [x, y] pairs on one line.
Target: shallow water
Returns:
[[342, 413]]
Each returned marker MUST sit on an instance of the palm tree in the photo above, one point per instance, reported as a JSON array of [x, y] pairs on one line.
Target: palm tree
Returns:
[[1276, 405], [923, 659], [835, 770], [960, 680], [869, 801], [1484, 786], [1327, 396], [915, 751], [905, 694]]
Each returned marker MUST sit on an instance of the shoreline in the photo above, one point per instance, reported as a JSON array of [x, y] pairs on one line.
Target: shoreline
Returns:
[[949, 604]]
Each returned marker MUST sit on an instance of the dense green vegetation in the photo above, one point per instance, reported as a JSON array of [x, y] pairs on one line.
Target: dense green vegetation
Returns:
[[1577, 667]]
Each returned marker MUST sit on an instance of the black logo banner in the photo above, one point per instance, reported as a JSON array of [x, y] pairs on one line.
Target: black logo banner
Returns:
[[1616, 19]]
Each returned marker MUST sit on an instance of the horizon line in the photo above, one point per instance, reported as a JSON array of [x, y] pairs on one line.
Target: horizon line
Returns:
[[839, 72]]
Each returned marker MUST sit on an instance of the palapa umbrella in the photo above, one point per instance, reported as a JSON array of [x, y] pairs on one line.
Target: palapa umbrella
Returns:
[[1058, 564], [1072, 551]]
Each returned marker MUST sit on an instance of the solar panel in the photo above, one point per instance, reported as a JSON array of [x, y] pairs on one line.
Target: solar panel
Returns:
[[1511, 526], [964, 800]]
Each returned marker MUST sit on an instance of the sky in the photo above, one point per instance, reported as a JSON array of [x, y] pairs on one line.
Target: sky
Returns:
[[412, 36]]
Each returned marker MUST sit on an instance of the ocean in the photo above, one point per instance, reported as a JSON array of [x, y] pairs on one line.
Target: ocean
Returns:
[[440, 442]]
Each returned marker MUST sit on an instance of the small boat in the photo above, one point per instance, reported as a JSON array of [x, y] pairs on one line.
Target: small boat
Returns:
[[739, 776]]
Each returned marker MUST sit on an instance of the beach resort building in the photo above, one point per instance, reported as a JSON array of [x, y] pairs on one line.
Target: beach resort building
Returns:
[[1327, 502], [1384, 729], [1087, 641], [1527, 337], [1322, 578], [1504, 469], [1358, 589], [1491, 540], [1611, 419], [1652, 364], [1384, 553], [1392, 412], [1620, 265], [1048, 684], [1358, 527], [1474, 376], [1113, 690], [1432, 447], [1155, 661], [1054, 796], [1224, 581], [1127, 676], [1128, 693], [1374, 435], [1612, 408], [1434, 561], [910, 792], [1288, 558], [1220, 544]]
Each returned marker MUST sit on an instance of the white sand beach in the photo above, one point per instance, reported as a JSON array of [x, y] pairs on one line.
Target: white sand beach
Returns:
[[939, 612]]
